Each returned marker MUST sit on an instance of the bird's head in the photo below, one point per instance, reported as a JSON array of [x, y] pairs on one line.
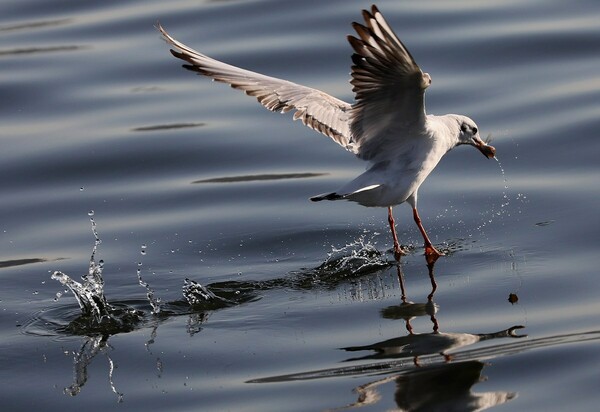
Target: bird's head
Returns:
[[469, 134]]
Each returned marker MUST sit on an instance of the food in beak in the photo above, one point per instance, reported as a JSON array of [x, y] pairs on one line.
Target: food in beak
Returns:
[[487, 150]]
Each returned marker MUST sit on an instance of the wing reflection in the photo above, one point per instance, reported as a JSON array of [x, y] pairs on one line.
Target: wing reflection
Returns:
[[436, 388]]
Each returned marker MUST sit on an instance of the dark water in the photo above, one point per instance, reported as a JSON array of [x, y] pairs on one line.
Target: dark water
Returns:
[[190, 180]]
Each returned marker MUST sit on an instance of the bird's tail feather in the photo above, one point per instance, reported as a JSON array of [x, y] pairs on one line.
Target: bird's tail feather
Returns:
[[326, 196], [337, 196]]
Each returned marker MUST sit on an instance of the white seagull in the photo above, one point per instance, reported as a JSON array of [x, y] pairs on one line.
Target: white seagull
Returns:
[[386, 125]]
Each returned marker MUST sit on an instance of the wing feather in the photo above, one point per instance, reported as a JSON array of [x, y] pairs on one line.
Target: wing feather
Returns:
[[316, 109], [388, 84]]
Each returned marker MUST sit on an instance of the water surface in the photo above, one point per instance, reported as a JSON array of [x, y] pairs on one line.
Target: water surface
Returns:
[[191, 180]]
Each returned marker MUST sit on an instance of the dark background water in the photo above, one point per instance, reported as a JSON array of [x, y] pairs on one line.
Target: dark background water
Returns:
[[96, 115]]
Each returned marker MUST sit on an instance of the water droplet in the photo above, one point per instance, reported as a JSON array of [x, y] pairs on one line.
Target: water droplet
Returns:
[[91, 213], [81, 189]]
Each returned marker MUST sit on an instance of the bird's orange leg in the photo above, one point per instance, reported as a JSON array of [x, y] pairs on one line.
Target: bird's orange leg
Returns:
[[430, 251], [397, 251]]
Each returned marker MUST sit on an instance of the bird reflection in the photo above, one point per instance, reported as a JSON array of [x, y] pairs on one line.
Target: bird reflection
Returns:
[[415, 345], [408, 310], [444, 387], [429, 385]]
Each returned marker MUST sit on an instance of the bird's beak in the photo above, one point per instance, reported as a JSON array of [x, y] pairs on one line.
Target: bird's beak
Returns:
[[487, 150]]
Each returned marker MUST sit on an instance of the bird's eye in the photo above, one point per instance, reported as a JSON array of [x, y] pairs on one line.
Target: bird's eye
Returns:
[[474, 130]]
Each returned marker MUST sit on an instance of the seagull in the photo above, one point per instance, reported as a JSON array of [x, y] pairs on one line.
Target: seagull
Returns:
[[386, 125]]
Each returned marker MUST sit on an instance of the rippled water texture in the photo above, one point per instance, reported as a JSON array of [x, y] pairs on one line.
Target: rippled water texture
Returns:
[[226, 289]]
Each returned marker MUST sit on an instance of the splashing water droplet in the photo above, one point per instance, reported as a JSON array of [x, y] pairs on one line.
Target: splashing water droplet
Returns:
[[91, 213], [492, 214], [196, 294], [154, 301], [97, 313], [356, 256], [502, 170]]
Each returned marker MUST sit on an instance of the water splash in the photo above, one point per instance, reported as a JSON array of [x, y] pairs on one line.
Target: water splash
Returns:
[[97, 315], [196, 294], [90, 293], [99, 318], [357, 256], [153, 300], [504, 209], [504, 195]]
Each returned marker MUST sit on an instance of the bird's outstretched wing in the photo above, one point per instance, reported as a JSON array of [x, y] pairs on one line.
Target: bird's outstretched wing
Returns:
[[388, 84], [317, 110]]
